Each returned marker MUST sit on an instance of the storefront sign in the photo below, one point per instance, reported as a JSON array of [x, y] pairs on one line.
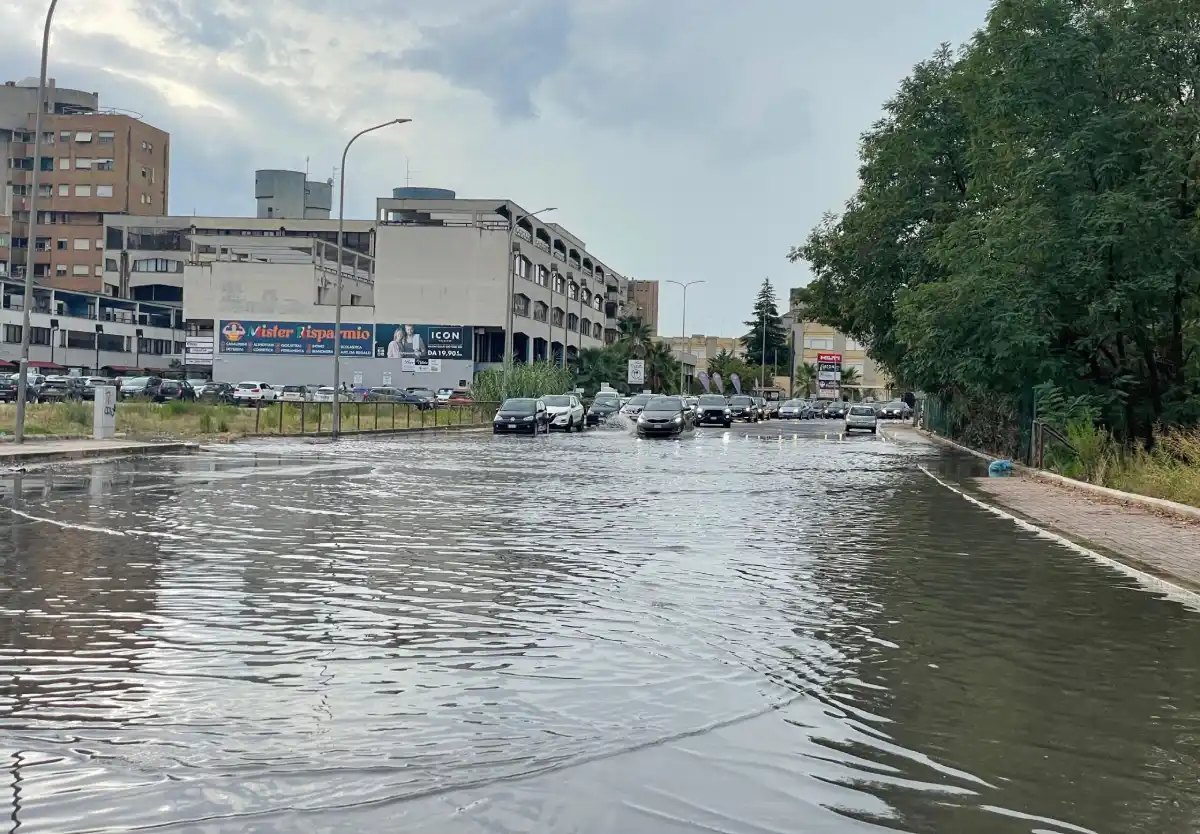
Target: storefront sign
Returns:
[[198, 350], [294, 338], [420, 348], [829, 376]]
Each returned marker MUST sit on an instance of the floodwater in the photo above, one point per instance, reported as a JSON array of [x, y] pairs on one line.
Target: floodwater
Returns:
[[579, 633]]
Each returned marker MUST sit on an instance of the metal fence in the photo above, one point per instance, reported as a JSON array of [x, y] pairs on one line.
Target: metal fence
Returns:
[[316, 418]]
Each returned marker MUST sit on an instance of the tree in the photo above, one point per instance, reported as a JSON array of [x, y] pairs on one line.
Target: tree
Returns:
[[593, 366], [634, 335], [766, 317], [850, 379], [806, 378]]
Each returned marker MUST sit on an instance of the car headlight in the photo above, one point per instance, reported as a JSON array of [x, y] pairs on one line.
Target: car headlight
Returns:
[[530, 418], [727, 412], [496, 419], [641, 418], [678, 418]]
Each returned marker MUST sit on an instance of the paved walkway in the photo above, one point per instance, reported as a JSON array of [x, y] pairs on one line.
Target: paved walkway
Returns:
[[44, 451], [1159, 544]]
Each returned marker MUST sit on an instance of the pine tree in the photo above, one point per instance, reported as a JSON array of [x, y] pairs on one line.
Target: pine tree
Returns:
[[766, 313]]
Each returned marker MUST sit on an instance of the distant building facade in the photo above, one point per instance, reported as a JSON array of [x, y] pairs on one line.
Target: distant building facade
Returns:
[[290, 195], [812, 338], [644, 298]]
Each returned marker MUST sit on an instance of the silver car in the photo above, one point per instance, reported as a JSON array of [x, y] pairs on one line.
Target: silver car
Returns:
[[861, 418]]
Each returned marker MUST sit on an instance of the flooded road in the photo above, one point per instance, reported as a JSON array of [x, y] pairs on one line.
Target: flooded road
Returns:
[[579, 633]]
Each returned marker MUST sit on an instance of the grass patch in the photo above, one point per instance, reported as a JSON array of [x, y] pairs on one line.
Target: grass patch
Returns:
[[180, 420]]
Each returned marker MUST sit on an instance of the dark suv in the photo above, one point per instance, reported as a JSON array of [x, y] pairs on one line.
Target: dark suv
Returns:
[[59, 389], [743, 408], [712, 408]]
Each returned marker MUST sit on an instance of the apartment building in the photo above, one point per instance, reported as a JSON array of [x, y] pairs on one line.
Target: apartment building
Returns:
[[703, 348], [644, 298], [813, 338], [92, 163]]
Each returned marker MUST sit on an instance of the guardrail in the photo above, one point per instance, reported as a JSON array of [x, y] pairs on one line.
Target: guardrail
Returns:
[[305, 418]]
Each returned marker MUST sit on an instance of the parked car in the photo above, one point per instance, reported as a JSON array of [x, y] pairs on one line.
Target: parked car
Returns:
[[773, 407], [215, 392], [253, 393], [443, 395], [9, 387], [521, 415], [764, 408], [712, 408], [665, 417], [743, 408], [293, 393], [59, 389], [634, 406], [424, 394], [794, 410], [139, 387], [566, 412], [174, 389], [605, 405], [861, 418], [385, 394], [895, 410], [197, 383], [461, 396], [91, 383], [834, 410]]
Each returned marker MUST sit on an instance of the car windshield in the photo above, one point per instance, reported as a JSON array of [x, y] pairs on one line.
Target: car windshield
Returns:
[[862, 411], [421, 392], [895, 404], [640, 399], [792, 404], [519, 406], [712, 399], [294, 389], [247, 386], [445, 390], [138, 381], [740, 401], [557, 402], [608, 399], [665, 404]]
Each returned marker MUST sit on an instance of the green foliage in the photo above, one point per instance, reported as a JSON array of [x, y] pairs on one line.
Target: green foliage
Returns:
[[766, 317], [806, 379], [726, 364], [1060, 411], [1028, 213], [524, 380], [593, 366], [79, 414]]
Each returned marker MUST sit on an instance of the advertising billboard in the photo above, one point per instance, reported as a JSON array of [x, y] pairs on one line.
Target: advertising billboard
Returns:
[[198, 350], [829, 376], [293, 338], [420, 348]]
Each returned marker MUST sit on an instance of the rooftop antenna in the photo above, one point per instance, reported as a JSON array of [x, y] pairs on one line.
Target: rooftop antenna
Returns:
[[408, 172], [306, 169]]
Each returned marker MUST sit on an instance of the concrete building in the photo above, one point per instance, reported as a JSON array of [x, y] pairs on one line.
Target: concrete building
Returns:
[[813, 338], [644, 295], [89, 333], [703, 348], [425, 291], [93, 163], [291, 195]]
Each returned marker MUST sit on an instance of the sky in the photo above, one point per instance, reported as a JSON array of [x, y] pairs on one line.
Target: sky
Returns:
[[683, 140]]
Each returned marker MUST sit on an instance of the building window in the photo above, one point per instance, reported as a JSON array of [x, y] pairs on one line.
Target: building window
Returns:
[[82, 244], [818, 343], [47, 163], [42, 244], [102, 165], [158, 265], [3, 241], [541, 311], [556, 317], [110, 264], [65, 136], [79, 270], [12, 333], [64, 164], [99, 244], [43, 190], [83, 191], [60, 269], [521, 264], [521, 305], [83, 162], [112, 342], [61, 243], [64, 190], [543, 276], [83, 136], [99, 271], [560, 284], [48, 137], [104, 190], [572, 322], [39, 335], [81, 340], [105, 137]]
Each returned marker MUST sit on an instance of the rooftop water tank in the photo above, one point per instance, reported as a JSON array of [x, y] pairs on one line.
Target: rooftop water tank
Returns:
[[419, 193]]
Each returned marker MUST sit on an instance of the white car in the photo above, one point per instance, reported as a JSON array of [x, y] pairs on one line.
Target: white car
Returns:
[[249, 393], [566, 412], [443, 396], [861, 418], [294, 393]]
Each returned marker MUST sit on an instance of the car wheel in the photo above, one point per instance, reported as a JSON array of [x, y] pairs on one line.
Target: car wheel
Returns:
[[728, 424]]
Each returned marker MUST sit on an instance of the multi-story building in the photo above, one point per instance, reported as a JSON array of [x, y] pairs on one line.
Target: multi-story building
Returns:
[[703, 348], [426, 290], [291, 195], [813, 338], [644, 295], [93, 163]]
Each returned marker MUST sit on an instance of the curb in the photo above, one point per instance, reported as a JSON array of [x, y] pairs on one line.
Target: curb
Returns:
[[325, 435], [1162, 505], [131, 450]]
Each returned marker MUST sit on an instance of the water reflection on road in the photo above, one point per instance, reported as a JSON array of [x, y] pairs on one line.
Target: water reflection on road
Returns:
[[583, 633]]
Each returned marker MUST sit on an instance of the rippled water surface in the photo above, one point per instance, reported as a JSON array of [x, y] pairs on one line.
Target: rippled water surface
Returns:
[[574, 634]]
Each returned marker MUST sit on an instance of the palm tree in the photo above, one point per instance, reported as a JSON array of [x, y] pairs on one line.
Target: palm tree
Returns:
[[592, 366], [850, 379], [634, 334], [806, 378], [662, 368]]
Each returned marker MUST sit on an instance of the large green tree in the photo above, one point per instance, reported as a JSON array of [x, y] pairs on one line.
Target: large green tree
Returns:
[[766, 318], [1027, 216]]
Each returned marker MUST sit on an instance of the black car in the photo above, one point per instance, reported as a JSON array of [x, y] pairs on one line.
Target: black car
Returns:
[[9, 387], [834, 411], [216, 392], [895, 410], [743, 408], [712, 409], [92, 382], [59, 389], [665, 417], [174, 389], [521, 415], [605, 405]]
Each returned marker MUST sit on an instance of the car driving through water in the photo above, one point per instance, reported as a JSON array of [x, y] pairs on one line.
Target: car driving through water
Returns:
[[713, 410], [665, 417], [521, 415], [605, 405]]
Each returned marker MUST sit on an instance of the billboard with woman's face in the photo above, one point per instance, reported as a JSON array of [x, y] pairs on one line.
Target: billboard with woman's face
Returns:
[[422, 347]]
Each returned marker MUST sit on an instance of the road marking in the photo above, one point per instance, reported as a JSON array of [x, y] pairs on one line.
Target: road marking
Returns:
[[1178, 593]]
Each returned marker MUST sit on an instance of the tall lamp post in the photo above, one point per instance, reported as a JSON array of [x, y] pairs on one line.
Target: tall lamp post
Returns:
[[512, 291], [683, 332], [337, 307], [31, 236]]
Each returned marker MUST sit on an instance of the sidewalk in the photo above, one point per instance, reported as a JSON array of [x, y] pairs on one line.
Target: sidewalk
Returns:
[[51, 451], [1156, 542]]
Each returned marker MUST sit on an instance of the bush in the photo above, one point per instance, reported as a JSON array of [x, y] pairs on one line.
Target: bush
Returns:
[[524, 380]]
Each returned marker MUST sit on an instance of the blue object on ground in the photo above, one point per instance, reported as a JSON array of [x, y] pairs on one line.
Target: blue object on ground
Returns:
[[999, 468]]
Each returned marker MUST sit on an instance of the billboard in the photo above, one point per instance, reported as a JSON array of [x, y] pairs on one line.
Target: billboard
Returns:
[[829, 376], [420, 348], [293, 338], [198, 350]]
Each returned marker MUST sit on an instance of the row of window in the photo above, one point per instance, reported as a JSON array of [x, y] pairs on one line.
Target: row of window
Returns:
[[541, 275], [84, 340], [541, 239], [522, 305], [826, 343]]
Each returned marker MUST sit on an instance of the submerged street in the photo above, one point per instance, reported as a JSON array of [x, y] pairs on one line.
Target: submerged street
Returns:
[[748, 630]]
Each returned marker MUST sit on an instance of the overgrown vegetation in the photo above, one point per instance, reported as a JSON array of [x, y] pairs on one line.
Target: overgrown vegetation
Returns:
[[524, 380], [181, 420], [594, 366], [1028, 215]]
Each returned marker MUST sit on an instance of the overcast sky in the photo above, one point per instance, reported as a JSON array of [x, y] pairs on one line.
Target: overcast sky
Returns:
[[681, 139]]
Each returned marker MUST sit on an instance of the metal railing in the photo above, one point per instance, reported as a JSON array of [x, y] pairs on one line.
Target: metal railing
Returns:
[[1037, 446], [307, 418]]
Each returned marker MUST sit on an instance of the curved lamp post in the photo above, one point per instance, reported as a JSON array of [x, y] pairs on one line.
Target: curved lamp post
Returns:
[[683, 334], [337, 310]]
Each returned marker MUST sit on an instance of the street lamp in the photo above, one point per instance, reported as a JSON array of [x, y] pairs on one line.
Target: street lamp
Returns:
[[512, 291], [137, 348], [99, 333], [31, 235], [53, 337], [337, 307], [683, 334]]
